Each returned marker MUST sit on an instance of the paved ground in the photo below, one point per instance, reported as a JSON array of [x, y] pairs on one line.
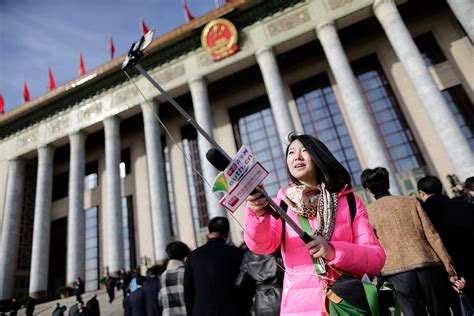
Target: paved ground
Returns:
[[46, 309]]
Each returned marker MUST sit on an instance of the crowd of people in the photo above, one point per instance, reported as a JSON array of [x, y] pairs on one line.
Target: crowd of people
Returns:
[[420, 265], [79, 308], [214, 279], [416, 243]]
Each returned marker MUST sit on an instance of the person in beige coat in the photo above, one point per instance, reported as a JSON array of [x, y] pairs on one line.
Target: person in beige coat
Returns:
[[417, 262]]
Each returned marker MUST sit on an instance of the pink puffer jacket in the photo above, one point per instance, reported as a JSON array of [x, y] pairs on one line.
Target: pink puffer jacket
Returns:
[[357, 251]]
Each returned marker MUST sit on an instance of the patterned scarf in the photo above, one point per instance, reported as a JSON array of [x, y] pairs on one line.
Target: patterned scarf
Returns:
[[310, 202]]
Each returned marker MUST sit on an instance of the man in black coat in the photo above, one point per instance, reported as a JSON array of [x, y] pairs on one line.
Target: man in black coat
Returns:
[[73, 310], [14, 307], [150, 291], [137, 299], [30, 306], [81, 309], [93, 307], [58, 310], [127, 309], [78, 289], [210, 274], [454, 221], [110, 286]]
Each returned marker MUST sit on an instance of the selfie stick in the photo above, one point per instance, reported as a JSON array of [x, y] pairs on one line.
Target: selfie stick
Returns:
[[134, 55]]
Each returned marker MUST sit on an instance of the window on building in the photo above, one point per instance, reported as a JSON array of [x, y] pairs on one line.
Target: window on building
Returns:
[[125, 163], [169, 187], [21, 286], [60, 186], [195, 183], [91, 179], [91, 281], [57, 258], [390, 122], [255, 128], [128, 233], [462, 109], [25, 241], [429, 49], [321, 117]]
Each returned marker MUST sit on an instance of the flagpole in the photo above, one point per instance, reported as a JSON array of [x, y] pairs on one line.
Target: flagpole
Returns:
[[216, 3]]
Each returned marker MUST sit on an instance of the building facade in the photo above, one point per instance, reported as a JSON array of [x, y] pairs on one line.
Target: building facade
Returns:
[[91, 182]]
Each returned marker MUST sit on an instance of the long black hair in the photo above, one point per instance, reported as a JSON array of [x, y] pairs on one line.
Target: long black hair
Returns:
[[328, 169]]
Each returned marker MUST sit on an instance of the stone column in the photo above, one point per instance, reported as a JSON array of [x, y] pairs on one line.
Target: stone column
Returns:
[[448, 130], [42, 224], [464, 12], [156, 180], [276, 93], [364, 127], [76, 216], [202, 114], [113, 189], [11, 226]]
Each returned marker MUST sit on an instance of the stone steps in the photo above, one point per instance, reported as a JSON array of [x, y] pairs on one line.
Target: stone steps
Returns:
[[106, 308]]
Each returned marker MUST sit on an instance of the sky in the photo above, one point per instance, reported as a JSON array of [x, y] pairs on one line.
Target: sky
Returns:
[[37, 34]]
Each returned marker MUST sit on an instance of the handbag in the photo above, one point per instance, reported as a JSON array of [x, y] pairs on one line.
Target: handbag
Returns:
[[466, 307], [351, 296], [348, 295]]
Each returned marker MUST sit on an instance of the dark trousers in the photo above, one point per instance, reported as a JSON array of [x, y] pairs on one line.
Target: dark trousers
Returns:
[[422, 287], [111, 292], [78, 297]]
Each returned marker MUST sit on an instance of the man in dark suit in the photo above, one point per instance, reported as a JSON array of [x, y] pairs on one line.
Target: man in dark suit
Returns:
[[73, 309], [78, 288], [110, 286], [93, 307], [127, 309], [210, 274], [150, 291], [30, 306], [81, 309], [137, 299], [454, 221], [14, 307]]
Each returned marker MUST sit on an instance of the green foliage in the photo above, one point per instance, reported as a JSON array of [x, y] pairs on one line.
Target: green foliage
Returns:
[[64, 291]]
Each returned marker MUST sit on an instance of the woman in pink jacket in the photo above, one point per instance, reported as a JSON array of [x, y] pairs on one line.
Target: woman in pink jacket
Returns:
[[318, 189]]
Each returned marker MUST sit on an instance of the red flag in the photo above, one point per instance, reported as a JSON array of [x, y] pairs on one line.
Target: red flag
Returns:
[[52, 84], [187, 13], [26, 93], [2, 105], [144, 27], [226, 1], [112, 48], [82, 69]]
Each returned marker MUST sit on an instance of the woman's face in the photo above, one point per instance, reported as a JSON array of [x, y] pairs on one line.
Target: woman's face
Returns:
[[300, 164]]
